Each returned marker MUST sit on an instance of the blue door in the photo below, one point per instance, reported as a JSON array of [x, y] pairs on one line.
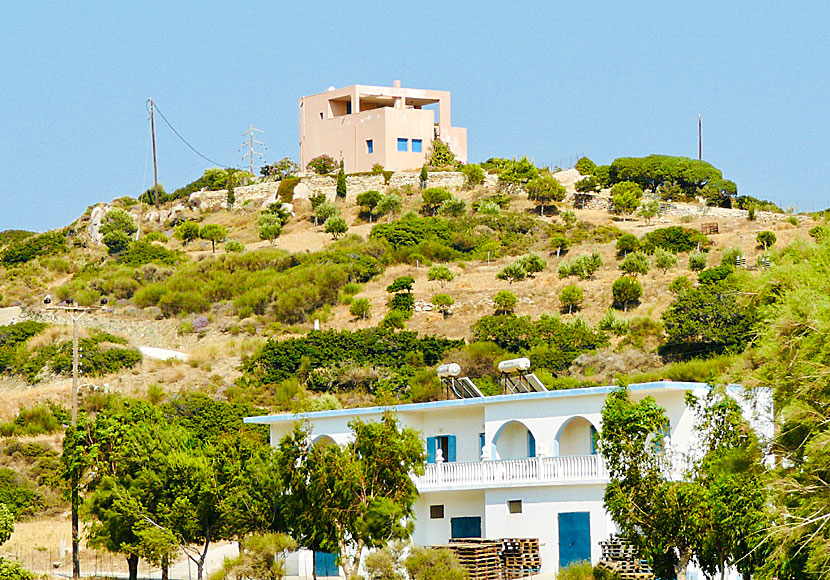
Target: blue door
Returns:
[[465, 527], [325, 564], [574, 537]]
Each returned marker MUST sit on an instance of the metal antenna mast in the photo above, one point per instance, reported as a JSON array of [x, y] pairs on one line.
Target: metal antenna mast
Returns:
[[250, 144], [699, 137], [155, 163]]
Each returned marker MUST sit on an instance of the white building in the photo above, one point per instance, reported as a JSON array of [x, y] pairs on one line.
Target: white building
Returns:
[[511, 466]]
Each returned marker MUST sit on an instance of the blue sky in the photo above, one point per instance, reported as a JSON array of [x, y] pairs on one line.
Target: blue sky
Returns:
[[551, 80]]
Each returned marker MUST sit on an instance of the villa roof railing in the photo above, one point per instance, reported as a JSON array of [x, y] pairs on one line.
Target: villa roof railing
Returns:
[[513, 472]]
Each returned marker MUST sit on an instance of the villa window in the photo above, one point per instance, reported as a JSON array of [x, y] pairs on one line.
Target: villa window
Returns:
[[417, 146], [403, 144], [514, 506], [349, 108], [370, 146], [594, 437], [531, 445], [443, 443], [436, 512]]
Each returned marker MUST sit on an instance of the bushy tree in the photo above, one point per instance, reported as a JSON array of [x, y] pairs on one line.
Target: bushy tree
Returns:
[[434, 564], [214, 233], [680, 285], [473, 175], [626, 197], [697, 261], [322, 164], [585, 166], [532, 263], [518, 171], [571, 298], [325, 210], [513, 272], [389, 205], [360, 308], [269, 227], [369, 200], [440, 273], [281, 169], [117, 241], [336, 226], [443, 302], [544, 189], [187, 231], [635, 263], [819, 232], [117, 228], [664, 259], [401, 284], [626, 291], [489, 207], [588, 184], [433, 197], [648, 210], [505, 302], [260, 558], [626, 244], [6, 523], [559, 243], [766, 239], [584, 266]]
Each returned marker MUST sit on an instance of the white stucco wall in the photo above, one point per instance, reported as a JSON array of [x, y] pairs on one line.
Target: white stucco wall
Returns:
[[433, 532]]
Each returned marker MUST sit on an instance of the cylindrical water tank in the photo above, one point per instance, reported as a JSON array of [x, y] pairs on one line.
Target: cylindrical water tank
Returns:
[[514, 365], [449, 370]]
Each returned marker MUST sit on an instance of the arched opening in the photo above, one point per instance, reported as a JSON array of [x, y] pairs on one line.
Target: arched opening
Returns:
[[514, 441], [577, 437], [323, 441]]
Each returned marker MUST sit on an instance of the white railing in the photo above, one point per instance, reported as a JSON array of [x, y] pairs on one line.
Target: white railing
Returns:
[[512, 471]]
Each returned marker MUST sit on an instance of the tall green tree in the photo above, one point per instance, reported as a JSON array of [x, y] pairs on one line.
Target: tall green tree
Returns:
[[344, 499]]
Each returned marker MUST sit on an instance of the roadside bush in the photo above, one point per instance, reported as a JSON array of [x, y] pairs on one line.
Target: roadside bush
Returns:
[[434, 564], [626, 291]]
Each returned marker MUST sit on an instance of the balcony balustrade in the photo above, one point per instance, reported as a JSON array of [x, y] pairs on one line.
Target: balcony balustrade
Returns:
[[513, 472]]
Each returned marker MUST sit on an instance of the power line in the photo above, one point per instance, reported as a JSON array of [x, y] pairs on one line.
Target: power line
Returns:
[[191, 147]]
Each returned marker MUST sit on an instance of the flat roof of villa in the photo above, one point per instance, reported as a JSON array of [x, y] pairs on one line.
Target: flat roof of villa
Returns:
[[478, 401]]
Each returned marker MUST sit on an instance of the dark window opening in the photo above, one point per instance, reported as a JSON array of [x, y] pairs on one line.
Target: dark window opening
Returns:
[[514, 506], [436, 512]]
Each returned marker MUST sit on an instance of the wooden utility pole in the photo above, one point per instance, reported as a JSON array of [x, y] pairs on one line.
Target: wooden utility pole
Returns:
[[75, 313], [699, 137], [250, 144], [155, 163]]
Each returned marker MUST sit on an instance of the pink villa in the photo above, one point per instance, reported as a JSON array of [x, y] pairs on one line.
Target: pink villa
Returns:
[[364, 125]]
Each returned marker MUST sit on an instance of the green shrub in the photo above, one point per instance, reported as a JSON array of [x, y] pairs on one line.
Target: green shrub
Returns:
[[532, 263], [443, 302], [269, 226], [351, 288], [819, 233], [434, 564], [116, 241], [360, 308], [473, 175], [697, 261], [680, 285], [766, 239], [612, 323], [140, 253], [14, 570], [234, 246], [155, 237], [714, 275], [505, 302], [432, 198], [214, 233], [792, 220], [635, 263], [336, 226], [626, 291], [571, 298], [627, 243], [440, 273], [404, 303], [369, 201], [730, 256], [394, 319], [576, 571], [513, 272], [560, 244], [17, 493], [675, 239], [176, 303], [48, 244], [440, 155], [584, 266], [750, 214], [568, 217], [664, 260], [626, 196], [341, 186], [187, 231]]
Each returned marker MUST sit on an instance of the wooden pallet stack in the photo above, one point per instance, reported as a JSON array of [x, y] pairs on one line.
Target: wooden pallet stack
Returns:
[[621, 557], [520, 557], [481, 558]]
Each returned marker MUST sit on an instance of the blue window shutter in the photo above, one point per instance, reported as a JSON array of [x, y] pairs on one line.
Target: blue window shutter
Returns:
[[403, 144], [531, 445], [416, 146], [480, 444], [451, 449], [370, 146], [430, 449]]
